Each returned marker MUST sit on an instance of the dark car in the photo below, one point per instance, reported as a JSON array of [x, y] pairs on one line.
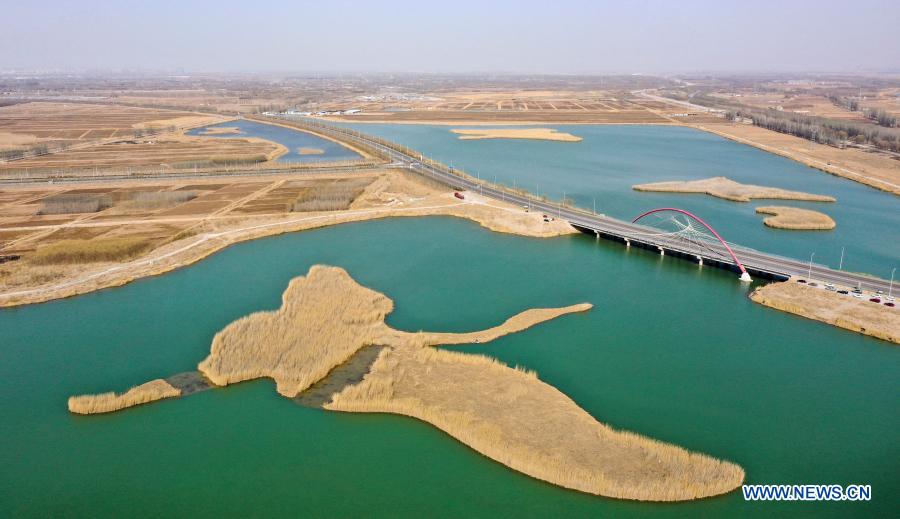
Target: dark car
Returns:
[[842, 292]]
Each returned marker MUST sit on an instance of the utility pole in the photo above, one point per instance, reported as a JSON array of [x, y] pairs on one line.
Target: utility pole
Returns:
[[809, 272], [891, 286], [841, 265], [595, 205]]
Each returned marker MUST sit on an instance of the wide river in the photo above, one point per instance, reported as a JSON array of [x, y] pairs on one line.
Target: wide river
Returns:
[[670, 350], [611, 158]]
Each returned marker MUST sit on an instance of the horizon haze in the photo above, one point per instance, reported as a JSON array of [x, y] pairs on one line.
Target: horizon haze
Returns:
[[575, 37]]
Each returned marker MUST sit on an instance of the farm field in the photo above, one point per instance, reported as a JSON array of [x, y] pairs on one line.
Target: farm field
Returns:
[[73, 123], [169, 150], [506, 106], [50, 235]]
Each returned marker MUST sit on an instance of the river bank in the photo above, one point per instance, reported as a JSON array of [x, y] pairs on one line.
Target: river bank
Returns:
[[394, 194]]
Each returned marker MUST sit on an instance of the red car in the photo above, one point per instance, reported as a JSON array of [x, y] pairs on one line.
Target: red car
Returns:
[[459, 195]]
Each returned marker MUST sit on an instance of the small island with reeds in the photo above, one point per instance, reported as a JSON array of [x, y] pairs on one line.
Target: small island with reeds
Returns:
[[326, 318], [727, 189], [794, 218], [541, 134]]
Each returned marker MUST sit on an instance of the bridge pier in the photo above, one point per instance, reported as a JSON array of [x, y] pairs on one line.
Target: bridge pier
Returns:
[[662, 251], [597, 233], [700, 260], [627, 242]]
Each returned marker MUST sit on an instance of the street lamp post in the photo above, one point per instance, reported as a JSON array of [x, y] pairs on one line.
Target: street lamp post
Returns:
[[891, 286], [809, 272], [841, 266]]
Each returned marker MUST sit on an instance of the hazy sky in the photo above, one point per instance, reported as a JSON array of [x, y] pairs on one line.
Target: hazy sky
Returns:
[[559, 36]]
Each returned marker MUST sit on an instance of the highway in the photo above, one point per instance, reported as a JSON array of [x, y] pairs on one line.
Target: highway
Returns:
[[757, 263]]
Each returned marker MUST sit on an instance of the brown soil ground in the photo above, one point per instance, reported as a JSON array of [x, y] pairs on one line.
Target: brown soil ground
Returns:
[[76, 123], [873, 169], [796, 219], [510, 117], [222, 213], [804, 104], [542, 134], [728, 189], [844, 311]]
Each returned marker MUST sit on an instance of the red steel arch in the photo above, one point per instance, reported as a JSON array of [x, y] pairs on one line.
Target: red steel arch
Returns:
[[704, 224]]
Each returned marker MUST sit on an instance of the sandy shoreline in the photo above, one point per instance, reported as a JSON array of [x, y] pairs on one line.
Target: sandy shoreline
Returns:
[[887, 180]]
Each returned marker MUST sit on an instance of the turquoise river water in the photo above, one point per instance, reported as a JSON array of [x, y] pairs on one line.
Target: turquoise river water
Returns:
[[670, 350], [612, 158], [291, 139]]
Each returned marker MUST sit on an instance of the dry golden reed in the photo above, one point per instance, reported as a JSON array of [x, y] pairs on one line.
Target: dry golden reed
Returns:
[[325, 318], [108, 402], [505, 413], [330, 196], [512, 417], [75, 203], [160, 199], [795, 218], [728, 189], [88, 251]]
